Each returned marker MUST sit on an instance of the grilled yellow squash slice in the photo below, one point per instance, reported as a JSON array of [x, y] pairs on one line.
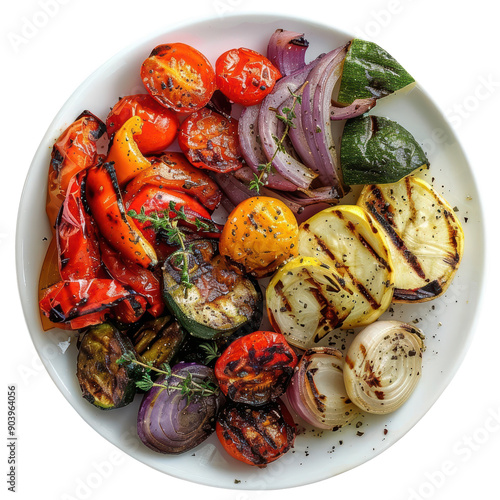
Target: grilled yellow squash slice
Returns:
[[345, 238], [305, 301], [425, 238]]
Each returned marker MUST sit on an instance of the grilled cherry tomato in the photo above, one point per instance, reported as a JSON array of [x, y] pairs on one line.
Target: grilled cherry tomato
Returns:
[[256, 368], [160, 124], [173, 171], [74, 150], [260, 234], [209, 140], [256, 436], [179, 77], [245, 76]]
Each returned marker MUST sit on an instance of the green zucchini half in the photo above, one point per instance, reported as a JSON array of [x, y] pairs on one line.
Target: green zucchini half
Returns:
[[218, 302], [105, 383]]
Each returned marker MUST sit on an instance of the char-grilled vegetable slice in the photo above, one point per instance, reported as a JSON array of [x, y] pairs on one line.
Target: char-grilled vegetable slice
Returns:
[[383, 366], [104, 382], [256, 436], [157, 341], [218, 301], [317, 390], [305, 300], [255, 369], [377, 150], [425, 238], [370, 71], [346, 239]]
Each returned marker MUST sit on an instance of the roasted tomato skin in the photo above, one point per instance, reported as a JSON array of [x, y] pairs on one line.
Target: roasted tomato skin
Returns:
[[245, 76], [179, 77], [210, 141], [256, 368], [260, 234], [256, 436], [160, 124]]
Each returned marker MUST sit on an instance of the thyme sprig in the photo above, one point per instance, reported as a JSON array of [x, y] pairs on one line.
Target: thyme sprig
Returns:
[[211, 351], [163, 222], [188, 388], [260, 180]]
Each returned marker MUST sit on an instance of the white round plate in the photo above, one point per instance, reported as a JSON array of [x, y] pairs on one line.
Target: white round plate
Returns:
[[447, 321]]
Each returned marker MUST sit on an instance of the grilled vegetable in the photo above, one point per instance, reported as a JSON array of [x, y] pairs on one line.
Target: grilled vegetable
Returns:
[[256, 436], [425, 238], [216, 301], [106, 205], [75, 150], [317, 391], [369, 71], [305, 300], [383, 366], [171, 422], [158, 340], [105, 383], [256, 368], [346, 239], [378, 150], [124, 151], [259, 235]]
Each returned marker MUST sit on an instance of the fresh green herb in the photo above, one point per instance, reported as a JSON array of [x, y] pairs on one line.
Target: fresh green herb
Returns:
[[212, 351], [259, 180], [163, 222], [188, 387]]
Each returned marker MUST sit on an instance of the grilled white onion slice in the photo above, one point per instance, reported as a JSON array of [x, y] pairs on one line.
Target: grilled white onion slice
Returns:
[[383, 366], [345, 238], [305, 301], [425, 238], [317, 392]]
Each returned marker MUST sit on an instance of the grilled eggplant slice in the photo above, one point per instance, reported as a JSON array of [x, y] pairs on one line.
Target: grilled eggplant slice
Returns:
[[157, 341], [346, 239], [425, 238], [218, 302], [305, 300], [105, 383]]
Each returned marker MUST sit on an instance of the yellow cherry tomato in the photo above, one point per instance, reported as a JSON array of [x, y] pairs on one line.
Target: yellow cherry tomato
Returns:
[[260, 235]]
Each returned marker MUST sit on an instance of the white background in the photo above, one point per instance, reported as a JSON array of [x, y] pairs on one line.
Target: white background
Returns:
[[453, 452]]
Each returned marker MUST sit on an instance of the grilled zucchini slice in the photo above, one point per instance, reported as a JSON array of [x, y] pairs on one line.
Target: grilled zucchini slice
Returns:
[[345, 238], [425, 238], [305, 300]]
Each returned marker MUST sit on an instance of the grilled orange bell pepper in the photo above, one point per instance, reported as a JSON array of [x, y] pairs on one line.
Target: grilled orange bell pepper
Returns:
[[106, 206], [125, 153]]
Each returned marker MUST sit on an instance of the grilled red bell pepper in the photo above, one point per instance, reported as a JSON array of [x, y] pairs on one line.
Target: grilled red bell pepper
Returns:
[[77, 244], [74, 150], [153, 199], [66, 300], [173, 171], [104, 199], [140, 280]]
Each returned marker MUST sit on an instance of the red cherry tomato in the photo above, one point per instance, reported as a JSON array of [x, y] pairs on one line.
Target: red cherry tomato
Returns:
[[160, 124], [256, 436], [245, 76], [209, 140], [255, 369], [178, 77]]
